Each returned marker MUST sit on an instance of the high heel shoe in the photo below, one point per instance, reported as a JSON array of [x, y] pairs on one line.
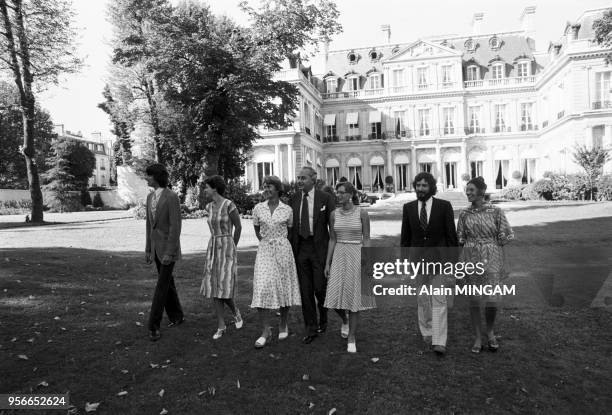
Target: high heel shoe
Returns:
[[492, 345], [219, 333], [238, 319], [477, 349]]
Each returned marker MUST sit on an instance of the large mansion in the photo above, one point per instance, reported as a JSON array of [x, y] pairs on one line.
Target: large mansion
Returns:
[[482, 104]]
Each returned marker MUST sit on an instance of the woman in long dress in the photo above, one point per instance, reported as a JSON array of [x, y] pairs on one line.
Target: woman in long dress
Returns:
[[221, 256], [349, 231], [275, 282], [483, 230]]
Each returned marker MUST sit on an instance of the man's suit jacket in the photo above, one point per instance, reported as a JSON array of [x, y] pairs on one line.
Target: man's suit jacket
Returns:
[[164, 230], [324, 204], [439, 233]]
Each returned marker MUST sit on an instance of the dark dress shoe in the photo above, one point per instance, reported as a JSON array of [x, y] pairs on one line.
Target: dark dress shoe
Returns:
[[322, 328], [308, 339], [439, 350], [154, 335], [176, 323]]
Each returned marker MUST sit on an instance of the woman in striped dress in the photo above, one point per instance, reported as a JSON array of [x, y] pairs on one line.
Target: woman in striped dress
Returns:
[[349, 231], [221, 256]]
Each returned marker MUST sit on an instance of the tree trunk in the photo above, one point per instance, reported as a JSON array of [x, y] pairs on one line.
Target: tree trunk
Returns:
[[211, 164], [20, 65], [149, 91]]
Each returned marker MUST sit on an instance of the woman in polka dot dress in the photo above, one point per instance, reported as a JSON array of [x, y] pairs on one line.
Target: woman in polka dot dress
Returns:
[[275, 282]]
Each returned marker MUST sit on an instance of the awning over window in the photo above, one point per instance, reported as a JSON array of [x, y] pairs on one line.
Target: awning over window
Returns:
[[332, 163], [377, 161], [353, 162], [402, 159], [352, 118], [330, 119], [374, 116]]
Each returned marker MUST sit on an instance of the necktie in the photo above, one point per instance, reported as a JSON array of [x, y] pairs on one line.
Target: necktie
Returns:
[[423, 216], [154, 203], [304, 221]]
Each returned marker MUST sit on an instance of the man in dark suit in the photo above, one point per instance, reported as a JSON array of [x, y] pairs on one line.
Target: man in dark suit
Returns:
[[309, 239], [428, 229], [164, 247]]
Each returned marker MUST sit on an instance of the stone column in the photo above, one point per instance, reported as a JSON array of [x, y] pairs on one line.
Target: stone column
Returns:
[[389, 169], [463, 166], [607, 138], [588, 137], [290, 162], [413, 161], [276, 169], [439, 167]]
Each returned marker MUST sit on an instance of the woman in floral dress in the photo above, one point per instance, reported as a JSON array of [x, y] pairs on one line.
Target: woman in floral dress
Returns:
[[275, 282], [221, 256], [483, 230]]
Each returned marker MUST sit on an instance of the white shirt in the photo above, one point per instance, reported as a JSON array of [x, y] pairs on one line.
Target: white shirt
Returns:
[[428, 204], [155, 199], [311, 194]]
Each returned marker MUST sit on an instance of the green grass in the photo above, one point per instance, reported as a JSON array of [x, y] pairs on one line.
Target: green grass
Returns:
[[552, 359]]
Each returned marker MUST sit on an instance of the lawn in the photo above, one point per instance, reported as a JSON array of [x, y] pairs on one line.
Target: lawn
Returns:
[[75, 299]]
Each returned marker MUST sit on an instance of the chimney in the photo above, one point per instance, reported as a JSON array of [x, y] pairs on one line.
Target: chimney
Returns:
[[527, 21], [386, 29], [575, 29], [477, 24]]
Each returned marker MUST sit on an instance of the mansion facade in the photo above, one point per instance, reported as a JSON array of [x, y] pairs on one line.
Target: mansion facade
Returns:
[[483, 105]]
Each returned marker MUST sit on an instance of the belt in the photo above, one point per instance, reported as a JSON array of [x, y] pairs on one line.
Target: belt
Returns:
[[341, 241]]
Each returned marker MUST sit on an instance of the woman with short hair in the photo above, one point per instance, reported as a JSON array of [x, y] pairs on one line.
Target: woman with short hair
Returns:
[[349, 231], [221, 266], [275, 282], [482, 231]]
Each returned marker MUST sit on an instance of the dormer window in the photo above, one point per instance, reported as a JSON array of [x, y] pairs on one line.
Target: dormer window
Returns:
[[375, 81], [395, 49], [495, 43], [523, 69], [331, 85], [470, 45], [352, 57], [374, 55], [353, 83], [497, 71], [473, 73]]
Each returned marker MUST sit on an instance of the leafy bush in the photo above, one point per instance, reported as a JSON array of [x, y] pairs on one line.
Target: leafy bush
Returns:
[[97, 200], [544, 188], [15, 207], [516, 174], [512, 192], [85, 198], [528, 193], [238, 192], [63, 202], [604, 187], [139, 212], [195, 214], [548, 174], [192, 197], [465, 177]]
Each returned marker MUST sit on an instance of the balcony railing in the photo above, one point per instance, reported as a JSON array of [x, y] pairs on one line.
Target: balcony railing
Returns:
[[561, 114], [598, 105], [353, 138], [318, 136], [528, 127], [489, 83], [400, 89], [544, 124], [373, 92], [474, 130], [330, 139], [502, 129]]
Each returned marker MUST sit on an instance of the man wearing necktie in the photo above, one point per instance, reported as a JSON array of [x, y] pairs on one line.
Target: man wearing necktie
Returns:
[[428, 229], [309, 239]]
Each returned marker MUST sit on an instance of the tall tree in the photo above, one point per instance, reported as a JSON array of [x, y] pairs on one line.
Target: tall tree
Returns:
[[123, 125], [135, 24], [37, 46], [603, 31], [13, 173]]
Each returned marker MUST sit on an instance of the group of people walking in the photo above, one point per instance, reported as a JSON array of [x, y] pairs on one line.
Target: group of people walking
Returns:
[[309, 254]]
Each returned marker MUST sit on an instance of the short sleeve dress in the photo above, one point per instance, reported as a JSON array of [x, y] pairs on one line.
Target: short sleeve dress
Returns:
[[221, 256], [275, 282], [483, 232]]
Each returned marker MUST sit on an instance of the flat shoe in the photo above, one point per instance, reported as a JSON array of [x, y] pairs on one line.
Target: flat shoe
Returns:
[[219, 333], [261, 342], [351, 347], [282, 335], [476, 349], [344, 331], [238, 320], [176, 323], [493, 345]]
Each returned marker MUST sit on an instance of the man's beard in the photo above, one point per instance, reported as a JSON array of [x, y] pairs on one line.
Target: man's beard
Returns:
[[424, 196]]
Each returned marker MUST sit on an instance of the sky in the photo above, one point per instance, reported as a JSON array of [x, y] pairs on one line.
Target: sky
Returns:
[[73, 102]]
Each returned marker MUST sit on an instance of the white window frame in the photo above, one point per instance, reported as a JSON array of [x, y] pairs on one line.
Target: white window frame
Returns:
[[474, 117], [353, 83], [522, 69], [331, 82], [424, 121], [448, 117], [526, 109], [499, 69], [375, 81], [266, 166], [500, 117], [422, 81], [473, 75], [447, 75], [398, 77], [353, 129]]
